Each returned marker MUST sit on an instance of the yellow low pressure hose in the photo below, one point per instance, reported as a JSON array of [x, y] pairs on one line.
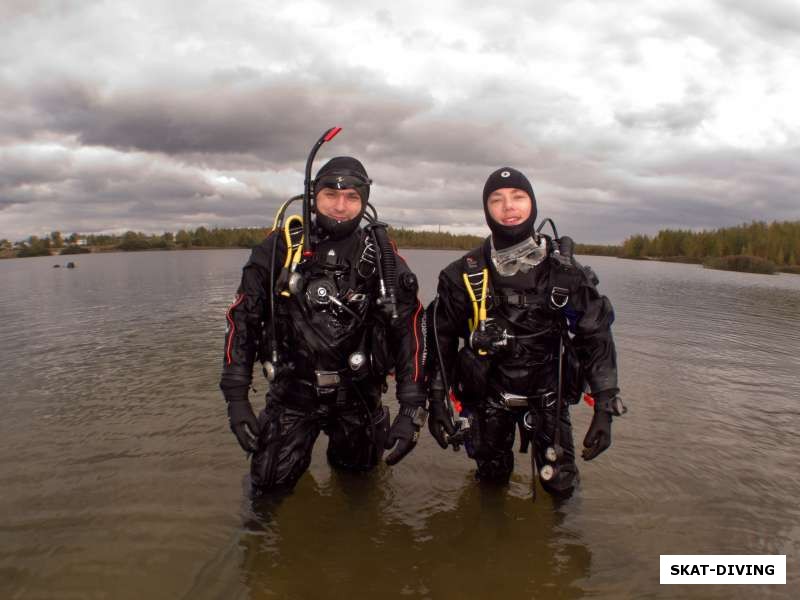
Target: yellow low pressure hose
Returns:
[[473, 324], [482, 313], [478, 311], [291, 257]]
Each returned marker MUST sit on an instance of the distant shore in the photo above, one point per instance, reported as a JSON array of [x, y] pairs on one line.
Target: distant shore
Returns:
[[755, 247], [738, 263], [56, 252]]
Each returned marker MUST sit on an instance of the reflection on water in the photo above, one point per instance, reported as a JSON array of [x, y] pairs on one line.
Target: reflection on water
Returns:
[[120, 478], [489, 540]]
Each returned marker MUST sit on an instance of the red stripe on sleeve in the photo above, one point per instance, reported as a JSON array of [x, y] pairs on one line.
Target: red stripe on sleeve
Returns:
[[231, 327], [416, 339]]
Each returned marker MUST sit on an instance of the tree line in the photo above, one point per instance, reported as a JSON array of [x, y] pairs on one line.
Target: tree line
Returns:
[[777, 242], [203, 237]]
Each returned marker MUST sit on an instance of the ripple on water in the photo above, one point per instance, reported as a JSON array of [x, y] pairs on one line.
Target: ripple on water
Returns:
[[125, 478]]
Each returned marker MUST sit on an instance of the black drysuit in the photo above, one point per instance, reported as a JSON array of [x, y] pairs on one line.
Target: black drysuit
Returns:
[[527, 364], [314, 335]]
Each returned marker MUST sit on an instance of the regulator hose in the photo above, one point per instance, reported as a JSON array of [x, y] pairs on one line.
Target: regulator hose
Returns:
[[552, 225], [277, 225]]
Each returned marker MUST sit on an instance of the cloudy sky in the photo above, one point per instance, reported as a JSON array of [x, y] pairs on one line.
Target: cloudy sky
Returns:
[[628, 117]]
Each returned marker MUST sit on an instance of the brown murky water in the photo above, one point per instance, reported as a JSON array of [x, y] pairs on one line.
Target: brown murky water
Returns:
[[119, 477]]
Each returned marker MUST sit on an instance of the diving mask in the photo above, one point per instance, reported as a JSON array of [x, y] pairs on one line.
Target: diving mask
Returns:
[[343, 180], [519, 257]]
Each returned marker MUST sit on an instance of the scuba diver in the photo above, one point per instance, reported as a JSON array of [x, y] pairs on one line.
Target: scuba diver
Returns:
[[328, 308], [536, 332]]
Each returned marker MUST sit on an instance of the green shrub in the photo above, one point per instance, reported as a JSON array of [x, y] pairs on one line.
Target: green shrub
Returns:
[[75, 250], [28, 251], [135, 244], [689, 260], [741, 262]]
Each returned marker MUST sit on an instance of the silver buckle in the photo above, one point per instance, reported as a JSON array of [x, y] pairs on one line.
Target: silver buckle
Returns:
[[514, 400], [327, 379]]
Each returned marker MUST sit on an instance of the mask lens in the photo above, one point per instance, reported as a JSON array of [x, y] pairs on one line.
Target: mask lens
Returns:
[[344, 181], [339, 182], [507, 268], [522, 257]]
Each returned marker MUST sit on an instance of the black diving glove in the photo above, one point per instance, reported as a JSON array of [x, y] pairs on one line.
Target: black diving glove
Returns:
[[244, 424], [598, 438], [440, 423], [405, 431]]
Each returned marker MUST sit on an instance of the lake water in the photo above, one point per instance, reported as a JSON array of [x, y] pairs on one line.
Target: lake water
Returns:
[[120, 479]]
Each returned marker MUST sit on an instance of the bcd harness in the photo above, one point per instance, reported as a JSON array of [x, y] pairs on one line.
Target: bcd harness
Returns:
[[485, 339], [480, 290], [322, 285], [301, 242]]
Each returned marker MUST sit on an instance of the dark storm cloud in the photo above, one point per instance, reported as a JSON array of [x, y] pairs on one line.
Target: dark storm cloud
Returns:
[[452, 140], [676, 118], [606, 195], [143, 194], [89, 141], [776, 16], [274, 121], [26, 167], [686, 189]]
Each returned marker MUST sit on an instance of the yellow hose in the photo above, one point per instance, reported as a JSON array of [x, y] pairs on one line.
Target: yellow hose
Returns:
[[482, 314], [290, 257], [473, 322]]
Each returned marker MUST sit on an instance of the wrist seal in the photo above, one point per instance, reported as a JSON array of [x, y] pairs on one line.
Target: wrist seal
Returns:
[[417, 414], [611, 404]]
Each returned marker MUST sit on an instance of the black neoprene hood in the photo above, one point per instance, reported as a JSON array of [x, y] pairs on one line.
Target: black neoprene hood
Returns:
[[342, 172], [508, 235]]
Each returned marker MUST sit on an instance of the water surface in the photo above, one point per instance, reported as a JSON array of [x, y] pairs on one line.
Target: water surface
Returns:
[[120, 478]]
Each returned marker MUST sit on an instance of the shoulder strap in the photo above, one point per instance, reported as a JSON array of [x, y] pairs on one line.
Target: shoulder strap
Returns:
[[357, 260], [560, 276], [474, 261]]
